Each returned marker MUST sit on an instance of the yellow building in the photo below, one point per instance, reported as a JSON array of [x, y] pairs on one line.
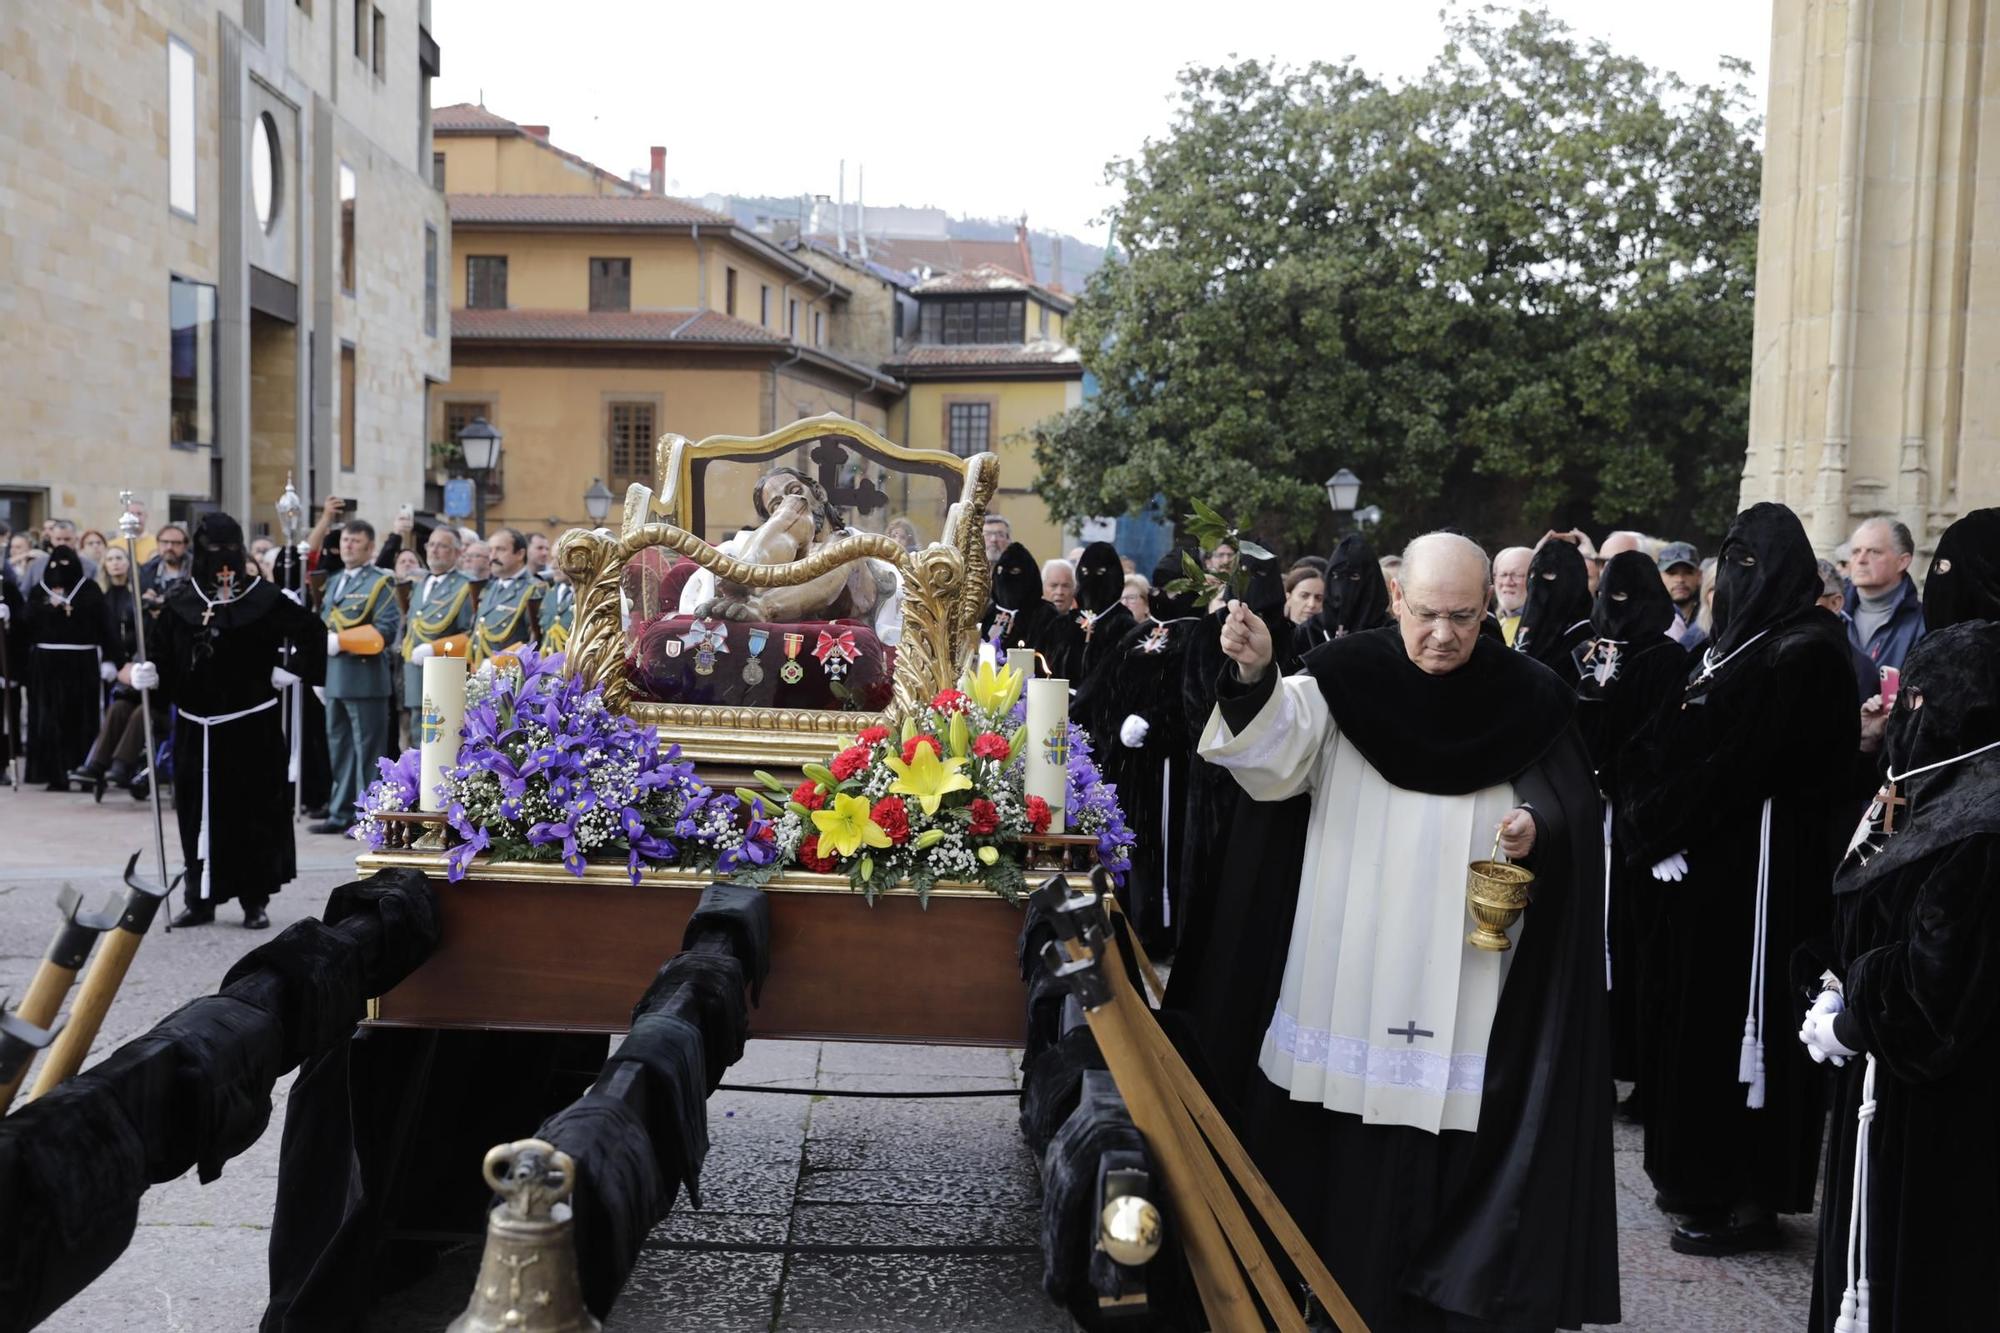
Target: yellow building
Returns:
[[990, 361], [589, 318]]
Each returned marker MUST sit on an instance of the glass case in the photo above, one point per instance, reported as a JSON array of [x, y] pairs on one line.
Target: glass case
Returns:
[[775, 591]]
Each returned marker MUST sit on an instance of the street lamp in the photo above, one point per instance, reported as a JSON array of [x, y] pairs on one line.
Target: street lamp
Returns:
[[479, 442], [1343, 491], [597, 500]]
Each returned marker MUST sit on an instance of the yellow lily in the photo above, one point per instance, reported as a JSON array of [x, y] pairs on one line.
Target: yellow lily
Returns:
[[993, 689], [846, 826], [927, 777]]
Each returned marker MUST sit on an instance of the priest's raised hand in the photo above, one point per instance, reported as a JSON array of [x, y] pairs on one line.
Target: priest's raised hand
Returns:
[[1436, 1116]]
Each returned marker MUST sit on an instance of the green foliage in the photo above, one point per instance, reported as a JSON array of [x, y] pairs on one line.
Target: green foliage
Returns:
[[1210, 530], [1511, 295]]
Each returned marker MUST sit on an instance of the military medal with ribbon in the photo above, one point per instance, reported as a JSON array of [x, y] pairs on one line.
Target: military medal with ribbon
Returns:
[[707, 639], [835, 652], [753, 670]]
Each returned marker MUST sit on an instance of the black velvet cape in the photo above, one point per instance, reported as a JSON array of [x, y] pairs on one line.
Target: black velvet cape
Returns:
[[1022, 618], [1513, 1225], [1555, 620], [65, 697], [1775, 721], [221, 668]]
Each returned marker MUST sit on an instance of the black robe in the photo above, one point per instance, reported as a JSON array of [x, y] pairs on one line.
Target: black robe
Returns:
[[65, 643], [1016, 616], [1512, 1226], [1555, 620], [1143, 679], [1100, 621], [13, 652], [1633, 674], [1775, 722], [214, 670]]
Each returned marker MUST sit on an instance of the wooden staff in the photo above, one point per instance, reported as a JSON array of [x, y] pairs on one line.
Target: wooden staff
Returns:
[[55, 975], [101, 983]]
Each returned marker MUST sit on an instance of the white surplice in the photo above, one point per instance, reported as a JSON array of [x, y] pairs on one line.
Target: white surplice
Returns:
[[1385, 1009]]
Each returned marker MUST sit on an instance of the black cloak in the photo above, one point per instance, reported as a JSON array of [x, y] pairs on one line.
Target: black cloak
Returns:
[[1768, 716], [1357, 596], [1632, 673], [1142, 679], [1917, 946], [1514, 1225], [1016, 616], [1964, 582], [1101, 620], [66, 634], [1555, 620], [215, 659]]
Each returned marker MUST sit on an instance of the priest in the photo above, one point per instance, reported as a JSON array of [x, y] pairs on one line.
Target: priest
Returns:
[[1555, 620], [214, 654], [1914, 962], [1739, 803], [1436, 1116]]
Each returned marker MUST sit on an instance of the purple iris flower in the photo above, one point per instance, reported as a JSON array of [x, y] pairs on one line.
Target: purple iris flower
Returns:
[[633, 824], [458, 857]]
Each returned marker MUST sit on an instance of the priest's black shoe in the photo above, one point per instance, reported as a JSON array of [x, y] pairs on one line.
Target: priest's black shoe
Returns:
[[90, 777], [315, 812], [193, 916], [142, 787], [255, 919], [1714, 1237]]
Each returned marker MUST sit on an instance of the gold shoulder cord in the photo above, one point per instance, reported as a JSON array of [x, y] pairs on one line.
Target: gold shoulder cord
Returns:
[[367, 614]]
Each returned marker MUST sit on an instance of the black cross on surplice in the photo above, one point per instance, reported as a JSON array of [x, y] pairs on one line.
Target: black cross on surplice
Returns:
[[1411, 1033]]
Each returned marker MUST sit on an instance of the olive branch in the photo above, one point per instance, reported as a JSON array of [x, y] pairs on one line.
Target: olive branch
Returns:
[[1210, 529]]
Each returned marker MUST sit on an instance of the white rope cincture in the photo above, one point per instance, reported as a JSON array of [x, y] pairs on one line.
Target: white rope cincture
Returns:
[[1944, 763], [210, 603], [207, 725], [1607, 897], [1710, 665], [1750, 1061], [1166, 844], [1854, 1300]]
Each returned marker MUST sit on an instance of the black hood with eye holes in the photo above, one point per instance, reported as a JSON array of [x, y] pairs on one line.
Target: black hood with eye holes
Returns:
[[1017, 579], [1558, 597], [1100, 577], [1632, 603], [1964, 579], [1766, 576]]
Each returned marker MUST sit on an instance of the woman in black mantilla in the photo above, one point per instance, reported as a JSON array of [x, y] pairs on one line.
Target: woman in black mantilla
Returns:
[[1916, 950], [1751, 771], [70, 653], [1357, 596], [1135, 704], [1632, 673], [1555, 620], [1016, 616], [220, 639]]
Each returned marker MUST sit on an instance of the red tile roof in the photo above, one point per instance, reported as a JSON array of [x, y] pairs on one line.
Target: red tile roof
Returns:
[[579, 210], [988, 278], [925, 359], [610, 326]]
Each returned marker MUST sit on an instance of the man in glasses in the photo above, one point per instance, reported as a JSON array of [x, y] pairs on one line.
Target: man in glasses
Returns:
[[1404, 1068]]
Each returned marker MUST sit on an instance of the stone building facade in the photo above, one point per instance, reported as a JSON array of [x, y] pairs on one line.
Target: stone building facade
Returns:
[[1873, 385], [223, 254]]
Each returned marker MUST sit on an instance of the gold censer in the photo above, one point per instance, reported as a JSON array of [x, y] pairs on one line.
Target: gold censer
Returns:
[[1496, 891]]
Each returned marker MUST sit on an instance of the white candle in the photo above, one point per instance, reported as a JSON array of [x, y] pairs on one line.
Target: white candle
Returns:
[[1023, 661], [1048, 746], [438, 722]]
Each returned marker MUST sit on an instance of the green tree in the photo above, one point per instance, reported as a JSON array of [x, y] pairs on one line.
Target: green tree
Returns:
[[1513, 294]]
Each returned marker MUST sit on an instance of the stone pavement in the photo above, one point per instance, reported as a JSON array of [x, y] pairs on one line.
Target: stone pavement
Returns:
[[786, 1174]]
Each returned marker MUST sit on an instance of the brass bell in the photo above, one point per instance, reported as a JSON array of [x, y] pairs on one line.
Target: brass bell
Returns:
[[527, 1277], [1129, 1230]]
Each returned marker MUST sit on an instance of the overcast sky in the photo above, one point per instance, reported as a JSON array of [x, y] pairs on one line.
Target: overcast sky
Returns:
[[985, 110]]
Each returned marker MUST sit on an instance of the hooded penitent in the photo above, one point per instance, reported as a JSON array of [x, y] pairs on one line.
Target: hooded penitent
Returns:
[[1100, 577], [218, 547], [62, 571], [1166, 605], [1017, 581], [1556, 617], [1964, 581], [1017, 617], [1766, 577], [1632, 603], [1357, 596]]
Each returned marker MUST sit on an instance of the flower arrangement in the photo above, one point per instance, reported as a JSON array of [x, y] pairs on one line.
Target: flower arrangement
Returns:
[[546, 772], [945, 798]]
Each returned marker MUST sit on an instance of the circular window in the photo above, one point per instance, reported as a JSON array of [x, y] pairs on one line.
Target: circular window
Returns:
[[265, 175]]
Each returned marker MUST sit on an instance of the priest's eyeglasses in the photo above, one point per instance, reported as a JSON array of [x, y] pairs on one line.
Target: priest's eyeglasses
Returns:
[[1458, 620]]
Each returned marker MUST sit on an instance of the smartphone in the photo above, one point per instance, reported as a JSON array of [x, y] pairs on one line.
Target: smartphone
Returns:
[[407, 511], [1892, 680]]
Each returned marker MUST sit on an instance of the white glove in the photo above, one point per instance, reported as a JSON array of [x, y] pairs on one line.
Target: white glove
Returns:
[[332, 644], [6, 613], [1672, 870], [106, 672], [1817, 1032], [145, 676], [282, 679], [319, 693], [1133, 731], [422, 651]]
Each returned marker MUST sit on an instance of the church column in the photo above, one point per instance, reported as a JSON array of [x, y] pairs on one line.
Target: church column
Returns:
[[1913, 465], [1829, 501]]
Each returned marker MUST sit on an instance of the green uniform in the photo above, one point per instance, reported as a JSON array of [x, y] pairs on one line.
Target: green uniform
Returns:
[[558, 617], [358, 688], [440, 606], [506, 619]]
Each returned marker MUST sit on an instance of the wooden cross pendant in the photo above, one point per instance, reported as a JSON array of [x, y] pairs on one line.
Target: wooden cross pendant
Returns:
[[1889, 800]]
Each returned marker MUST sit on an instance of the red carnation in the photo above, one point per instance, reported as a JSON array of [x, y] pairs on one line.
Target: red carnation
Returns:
[[910, 748], [873, 735], [1038, 814], [807, 794], [810, 858], [985, 816], [949, 701], [849, 762], [894, 819], [992, 745]]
